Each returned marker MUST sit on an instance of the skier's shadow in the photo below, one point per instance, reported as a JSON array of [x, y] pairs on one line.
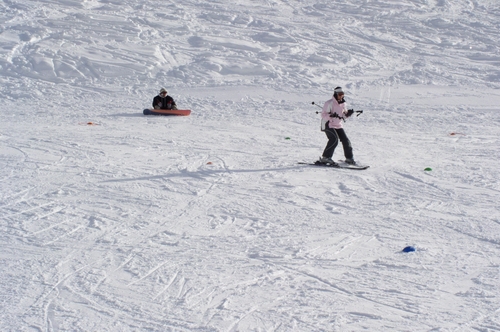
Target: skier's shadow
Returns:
[[203, 174], [128, 115]]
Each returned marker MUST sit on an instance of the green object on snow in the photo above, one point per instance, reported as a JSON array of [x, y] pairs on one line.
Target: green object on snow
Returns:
[[428, 169], [287, 137]]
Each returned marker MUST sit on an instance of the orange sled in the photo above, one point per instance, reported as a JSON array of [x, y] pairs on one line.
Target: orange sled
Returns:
[[148, 111]]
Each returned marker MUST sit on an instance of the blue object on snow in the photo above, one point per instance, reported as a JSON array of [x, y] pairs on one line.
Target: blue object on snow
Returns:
[[408, 249]]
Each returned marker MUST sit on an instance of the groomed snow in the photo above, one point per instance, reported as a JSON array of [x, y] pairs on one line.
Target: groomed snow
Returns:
[[116, 221]]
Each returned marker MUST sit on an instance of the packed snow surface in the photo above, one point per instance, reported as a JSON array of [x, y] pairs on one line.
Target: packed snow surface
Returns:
[[115, 221]]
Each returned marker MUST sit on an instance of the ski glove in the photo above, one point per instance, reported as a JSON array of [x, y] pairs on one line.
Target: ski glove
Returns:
[[350, 112]]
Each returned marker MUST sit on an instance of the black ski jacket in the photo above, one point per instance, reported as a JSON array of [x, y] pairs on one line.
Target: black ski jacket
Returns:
[[164, 103]]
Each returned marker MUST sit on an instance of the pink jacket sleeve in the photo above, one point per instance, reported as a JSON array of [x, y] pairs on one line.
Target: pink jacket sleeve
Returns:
[[327, 108]]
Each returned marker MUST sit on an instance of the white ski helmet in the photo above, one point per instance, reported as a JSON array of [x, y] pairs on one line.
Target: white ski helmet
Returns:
[[338, 90]]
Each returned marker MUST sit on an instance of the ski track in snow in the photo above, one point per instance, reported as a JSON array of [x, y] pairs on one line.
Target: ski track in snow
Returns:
[[115, 221]]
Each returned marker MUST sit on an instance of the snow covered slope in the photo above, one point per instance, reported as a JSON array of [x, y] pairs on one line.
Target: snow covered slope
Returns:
[[116, 221]]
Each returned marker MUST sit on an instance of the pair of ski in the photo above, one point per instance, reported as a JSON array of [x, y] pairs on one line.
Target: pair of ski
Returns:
[[340, 164]]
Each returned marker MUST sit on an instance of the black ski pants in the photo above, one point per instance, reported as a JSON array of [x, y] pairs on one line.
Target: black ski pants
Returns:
[[334, 135]]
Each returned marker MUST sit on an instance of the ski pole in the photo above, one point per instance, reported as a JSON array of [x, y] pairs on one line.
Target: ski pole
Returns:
[[358, 112], [316, 105]]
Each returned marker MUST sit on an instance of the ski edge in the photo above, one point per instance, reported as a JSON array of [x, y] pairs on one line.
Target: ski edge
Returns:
[[359, 168]]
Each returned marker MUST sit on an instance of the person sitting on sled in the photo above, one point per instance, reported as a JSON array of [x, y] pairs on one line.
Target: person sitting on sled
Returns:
[[164, 101], [333, 114]]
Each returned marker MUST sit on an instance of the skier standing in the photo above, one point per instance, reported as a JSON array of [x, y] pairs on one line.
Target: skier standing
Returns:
[[333, 114]]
